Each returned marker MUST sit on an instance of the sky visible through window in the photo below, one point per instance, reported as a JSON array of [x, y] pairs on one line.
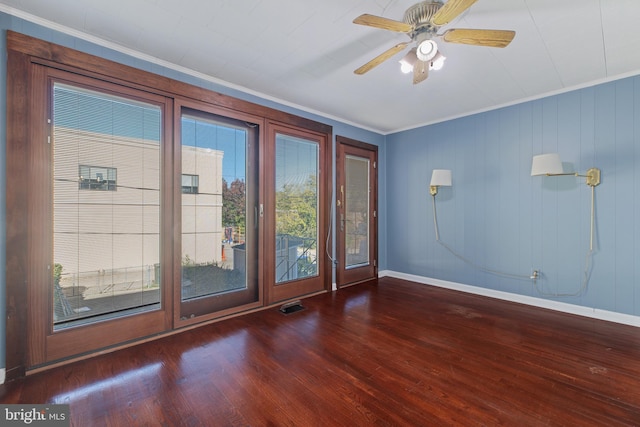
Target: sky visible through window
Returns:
[[231, 141]]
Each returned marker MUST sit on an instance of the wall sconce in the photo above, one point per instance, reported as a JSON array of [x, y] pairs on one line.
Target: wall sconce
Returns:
[[439, 177], [551, 165]]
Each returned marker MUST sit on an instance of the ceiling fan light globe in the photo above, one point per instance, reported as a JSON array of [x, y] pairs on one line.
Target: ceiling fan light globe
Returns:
[[438, 62], [427, 50], [407, 62], [405, 67]]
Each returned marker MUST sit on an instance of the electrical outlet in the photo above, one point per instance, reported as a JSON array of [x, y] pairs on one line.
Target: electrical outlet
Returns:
[[535, 274]]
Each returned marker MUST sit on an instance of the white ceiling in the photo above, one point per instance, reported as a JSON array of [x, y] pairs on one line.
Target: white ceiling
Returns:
[[303, 52]]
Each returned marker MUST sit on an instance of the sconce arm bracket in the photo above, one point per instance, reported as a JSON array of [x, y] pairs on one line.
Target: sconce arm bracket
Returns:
[[592, 176]]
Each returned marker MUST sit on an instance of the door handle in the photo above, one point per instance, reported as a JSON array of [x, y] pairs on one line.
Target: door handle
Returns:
[[255, 216]]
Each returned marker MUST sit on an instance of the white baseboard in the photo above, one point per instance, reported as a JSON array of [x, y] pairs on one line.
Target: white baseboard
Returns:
[[594, 313], [3, 373], [334, 286]]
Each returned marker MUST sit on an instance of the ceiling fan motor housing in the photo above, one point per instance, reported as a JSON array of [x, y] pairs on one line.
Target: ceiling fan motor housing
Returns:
[[419, 16]]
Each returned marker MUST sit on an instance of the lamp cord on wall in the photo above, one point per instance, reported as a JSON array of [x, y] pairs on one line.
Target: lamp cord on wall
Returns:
[[334, 261], [587, 263], [462, 258], [585, 281], [587, 269]]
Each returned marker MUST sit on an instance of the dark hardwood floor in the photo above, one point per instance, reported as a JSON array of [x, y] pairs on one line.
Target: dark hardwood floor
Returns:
[[388, 352]]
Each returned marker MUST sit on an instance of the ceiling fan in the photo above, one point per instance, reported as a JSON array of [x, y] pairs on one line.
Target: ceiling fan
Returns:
[[421, 23]]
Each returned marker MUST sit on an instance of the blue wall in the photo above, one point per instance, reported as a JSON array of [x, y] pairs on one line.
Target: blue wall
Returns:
[[500, 218], [8, 22]]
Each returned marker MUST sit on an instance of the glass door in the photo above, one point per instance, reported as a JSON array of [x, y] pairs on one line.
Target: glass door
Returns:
[[100, 212], [356, 211], [218, 190], [106, 206], [297, 243], [142, 205]]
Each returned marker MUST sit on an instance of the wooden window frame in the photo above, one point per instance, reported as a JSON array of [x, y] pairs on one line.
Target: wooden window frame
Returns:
[[344, 277], [305, 286], [24, 225]]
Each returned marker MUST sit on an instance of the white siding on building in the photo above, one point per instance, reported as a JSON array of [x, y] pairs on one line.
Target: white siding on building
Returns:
[[202, 212], [96, 230]]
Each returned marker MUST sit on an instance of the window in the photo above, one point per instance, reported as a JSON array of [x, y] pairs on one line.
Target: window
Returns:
[[97, 178], [296, 207], [190, 184], [219, 233], [153, 206], [296, 263], [106, 247]]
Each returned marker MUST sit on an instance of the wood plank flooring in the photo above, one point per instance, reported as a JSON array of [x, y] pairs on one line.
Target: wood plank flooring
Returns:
[[386, 353]]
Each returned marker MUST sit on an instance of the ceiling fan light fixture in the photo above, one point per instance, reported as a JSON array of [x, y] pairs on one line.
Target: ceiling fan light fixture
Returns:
[[407, 62], [421, 23], [427, 49]]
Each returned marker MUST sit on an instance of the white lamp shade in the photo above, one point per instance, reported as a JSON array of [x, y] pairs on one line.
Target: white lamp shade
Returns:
[[546, 164], [441, 177]]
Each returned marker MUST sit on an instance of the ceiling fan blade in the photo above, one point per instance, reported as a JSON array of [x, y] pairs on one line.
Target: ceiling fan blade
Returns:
[[491, 38], [381, 58], [451, 10], [384, 23], [420, 71]]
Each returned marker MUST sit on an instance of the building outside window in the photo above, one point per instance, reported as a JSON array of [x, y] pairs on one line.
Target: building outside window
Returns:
[[97, 178], [190, 184]]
